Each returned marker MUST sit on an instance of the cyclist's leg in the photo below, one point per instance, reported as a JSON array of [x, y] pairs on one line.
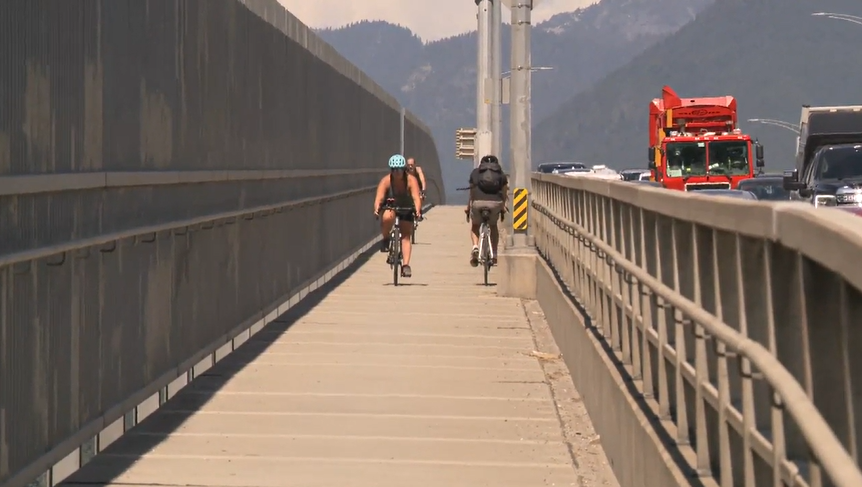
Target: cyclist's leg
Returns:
[[476, 222], [387, 219], [406, 226], [494, 219]]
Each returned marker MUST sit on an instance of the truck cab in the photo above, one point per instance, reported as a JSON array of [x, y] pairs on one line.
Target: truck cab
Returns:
[[829, 157], [692, 162], [695, 143]]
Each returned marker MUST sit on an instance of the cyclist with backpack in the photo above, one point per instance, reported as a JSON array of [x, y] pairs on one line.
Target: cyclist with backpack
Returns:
[[489, 190]]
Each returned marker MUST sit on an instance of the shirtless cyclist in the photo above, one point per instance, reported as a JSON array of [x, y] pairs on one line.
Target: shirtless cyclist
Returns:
[[415, 170]]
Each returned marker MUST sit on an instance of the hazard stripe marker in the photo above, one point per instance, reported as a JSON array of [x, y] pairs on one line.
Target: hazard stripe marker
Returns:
[[519, 209]]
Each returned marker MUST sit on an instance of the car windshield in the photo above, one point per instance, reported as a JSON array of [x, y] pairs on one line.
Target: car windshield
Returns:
[[686, 159], [840, 163], [765, 190], [728, 157]]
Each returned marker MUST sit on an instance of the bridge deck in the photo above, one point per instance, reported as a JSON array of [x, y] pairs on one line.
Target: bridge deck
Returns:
[[437, 382]]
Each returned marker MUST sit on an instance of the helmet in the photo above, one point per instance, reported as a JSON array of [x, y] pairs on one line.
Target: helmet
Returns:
[[490, 159], [397, 162]]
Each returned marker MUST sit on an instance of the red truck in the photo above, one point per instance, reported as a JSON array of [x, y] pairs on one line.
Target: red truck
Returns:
[[695, 143]]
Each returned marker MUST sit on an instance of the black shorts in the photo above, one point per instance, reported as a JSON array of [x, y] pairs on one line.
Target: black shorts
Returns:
[[405, 216]]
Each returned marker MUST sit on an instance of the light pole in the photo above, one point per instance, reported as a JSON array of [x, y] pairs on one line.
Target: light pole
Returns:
[[776, 123], [520, 125], [496, 80], [853, 19], [485, 90], [507, 74]]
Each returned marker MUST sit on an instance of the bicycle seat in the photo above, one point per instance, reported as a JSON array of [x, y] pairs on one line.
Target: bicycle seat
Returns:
[[486, 214]]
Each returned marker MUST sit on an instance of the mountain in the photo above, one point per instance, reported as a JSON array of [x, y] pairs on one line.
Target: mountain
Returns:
[[772, 55], [436, 80]]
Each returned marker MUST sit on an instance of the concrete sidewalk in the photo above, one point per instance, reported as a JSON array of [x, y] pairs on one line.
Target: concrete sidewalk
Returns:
[[434, 383]]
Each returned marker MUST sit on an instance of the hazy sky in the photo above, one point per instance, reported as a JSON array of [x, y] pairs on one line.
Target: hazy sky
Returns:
[[430, 19]]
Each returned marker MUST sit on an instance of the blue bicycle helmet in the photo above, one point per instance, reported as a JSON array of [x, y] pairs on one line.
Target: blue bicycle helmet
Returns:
[[397, 162]]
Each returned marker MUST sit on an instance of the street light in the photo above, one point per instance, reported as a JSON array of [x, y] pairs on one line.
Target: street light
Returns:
[[506, 74], [506, 82], [776, 123], [853, 19]]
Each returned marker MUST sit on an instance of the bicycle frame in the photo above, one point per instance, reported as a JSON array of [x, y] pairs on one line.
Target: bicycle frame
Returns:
[[485, 243], [486, 250], [395, 256]]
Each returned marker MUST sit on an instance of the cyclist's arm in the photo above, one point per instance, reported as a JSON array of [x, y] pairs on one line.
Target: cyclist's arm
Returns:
[[421, 175], [470, 186], [414, 192], [505, 190], [382, 186]]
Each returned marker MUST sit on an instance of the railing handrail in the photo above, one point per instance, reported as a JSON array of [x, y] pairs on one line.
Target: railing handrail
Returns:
[[822, 441], [837, 236]]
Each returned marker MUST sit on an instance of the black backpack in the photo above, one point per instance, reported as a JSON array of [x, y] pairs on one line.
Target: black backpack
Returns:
[[490, 178]]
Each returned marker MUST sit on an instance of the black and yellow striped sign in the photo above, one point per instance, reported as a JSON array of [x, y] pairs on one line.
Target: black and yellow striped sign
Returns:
[[519, 209]]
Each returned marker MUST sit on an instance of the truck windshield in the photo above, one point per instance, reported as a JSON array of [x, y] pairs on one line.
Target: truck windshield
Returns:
[[841, 163], [729, 158], [686, 159]]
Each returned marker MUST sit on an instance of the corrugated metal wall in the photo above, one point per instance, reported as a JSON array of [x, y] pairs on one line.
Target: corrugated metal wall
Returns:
[[206, 122]]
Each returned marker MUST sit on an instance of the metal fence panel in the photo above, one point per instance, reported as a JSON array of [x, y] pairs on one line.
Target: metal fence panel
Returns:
[[734, 318]]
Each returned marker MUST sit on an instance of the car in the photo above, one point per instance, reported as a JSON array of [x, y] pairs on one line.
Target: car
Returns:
[[635, 174], [572, 171], [729, 193], [557, 167], [831, 168], [766, 188]]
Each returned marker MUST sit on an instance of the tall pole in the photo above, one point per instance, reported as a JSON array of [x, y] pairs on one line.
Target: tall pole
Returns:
[[496, 80], [483, 82], [520, 123], [403, 114]]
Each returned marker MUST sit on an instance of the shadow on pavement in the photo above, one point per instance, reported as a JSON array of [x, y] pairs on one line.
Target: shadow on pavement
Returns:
[[126, 451]]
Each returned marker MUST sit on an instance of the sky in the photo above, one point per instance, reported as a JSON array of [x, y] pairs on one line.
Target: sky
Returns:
[[429, 19]]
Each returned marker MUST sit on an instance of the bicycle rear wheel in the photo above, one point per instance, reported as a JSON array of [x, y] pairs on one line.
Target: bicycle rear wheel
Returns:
[[486, 254]]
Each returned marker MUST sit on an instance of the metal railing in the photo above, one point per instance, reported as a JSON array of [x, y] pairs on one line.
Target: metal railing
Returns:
[[735, 321]]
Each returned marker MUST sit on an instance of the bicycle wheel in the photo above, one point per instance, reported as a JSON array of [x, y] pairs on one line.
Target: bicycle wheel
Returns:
[[486, 253], [392, 240], [395, 248]]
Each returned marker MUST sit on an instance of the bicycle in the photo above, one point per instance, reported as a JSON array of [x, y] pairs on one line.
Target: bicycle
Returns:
[[395, 257], [486, 251]]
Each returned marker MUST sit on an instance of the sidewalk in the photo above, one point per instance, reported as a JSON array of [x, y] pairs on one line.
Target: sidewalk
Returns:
[[434, 383]]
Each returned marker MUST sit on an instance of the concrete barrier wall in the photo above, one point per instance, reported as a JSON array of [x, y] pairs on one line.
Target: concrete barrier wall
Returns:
[[170, 172]]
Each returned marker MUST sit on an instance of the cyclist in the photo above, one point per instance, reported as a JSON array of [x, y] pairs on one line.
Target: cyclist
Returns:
[[489, 190], [401, 190], [415, 170]]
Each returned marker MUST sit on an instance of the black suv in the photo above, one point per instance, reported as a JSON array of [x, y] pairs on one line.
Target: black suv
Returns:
[[833, 167]]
